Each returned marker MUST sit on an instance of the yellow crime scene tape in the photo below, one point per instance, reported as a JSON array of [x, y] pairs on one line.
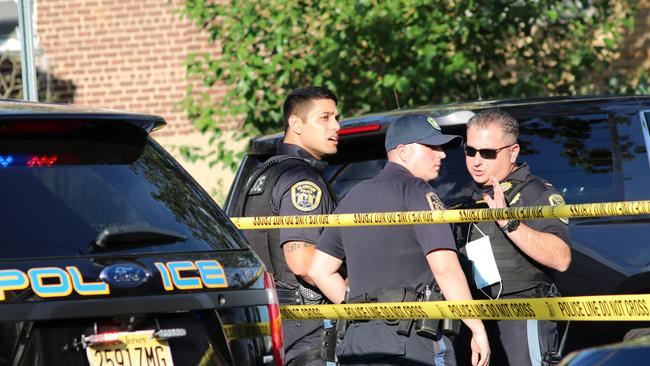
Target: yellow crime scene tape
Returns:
[[607, 307], [445, 216], [249, 330]]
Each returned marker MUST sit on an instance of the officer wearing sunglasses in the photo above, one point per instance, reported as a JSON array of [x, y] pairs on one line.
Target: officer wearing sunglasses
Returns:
[[508, 258]]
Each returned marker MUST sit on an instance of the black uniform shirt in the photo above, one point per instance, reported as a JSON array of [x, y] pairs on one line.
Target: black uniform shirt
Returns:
[[385, 257], [518, 271], [530, 196], [301, 191]]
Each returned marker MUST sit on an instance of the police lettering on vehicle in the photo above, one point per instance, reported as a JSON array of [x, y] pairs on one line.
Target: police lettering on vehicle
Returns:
[[54, 282], [211, 275]]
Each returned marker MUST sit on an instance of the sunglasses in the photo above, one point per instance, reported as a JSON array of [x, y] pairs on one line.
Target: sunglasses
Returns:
[[485, 153]]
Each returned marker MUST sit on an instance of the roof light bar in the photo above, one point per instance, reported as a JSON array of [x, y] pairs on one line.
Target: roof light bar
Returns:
[[5, 161]]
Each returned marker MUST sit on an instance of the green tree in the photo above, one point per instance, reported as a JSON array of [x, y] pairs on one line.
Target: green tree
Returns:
[[383, 54]]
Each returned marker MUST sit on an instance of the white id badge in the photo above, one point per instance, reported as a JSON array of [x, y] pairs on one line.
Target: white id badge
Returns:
[[484, 266]]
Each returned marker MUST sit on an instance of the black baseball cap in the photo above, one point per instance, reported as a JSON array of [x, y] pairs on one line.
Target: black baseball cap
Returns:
[[420, 128]]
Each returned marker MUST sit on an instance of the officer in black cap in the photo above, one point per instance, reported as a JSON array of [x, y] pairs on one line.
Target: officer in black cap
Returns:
[[291, 184], [510, 259], [397, 263]]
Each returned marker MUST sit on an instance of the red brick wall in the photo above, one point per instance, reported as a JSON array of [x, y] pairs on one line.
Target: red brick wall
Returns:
[[121, 54]]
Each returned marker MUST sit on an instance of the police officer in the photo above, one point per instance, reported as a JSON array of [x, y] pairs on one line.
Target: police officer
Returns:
[[521, 256], [291, 184], [396, 263]]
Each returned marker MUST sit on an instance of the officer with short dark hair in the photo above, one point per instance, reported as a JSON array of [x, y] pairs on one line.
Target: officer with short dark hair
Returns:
[[291, 183], [510, 259], [397, 263]]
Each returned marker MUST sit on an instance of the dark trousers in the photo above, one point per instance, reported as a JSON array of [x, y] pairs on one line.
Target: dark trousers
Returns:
[[301, 336], [512, 342], [375, 343]]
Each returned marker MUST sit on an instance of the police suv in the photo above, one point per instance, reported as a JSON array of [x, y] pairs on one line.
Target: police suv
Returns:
[[592, 149], [113, 256]]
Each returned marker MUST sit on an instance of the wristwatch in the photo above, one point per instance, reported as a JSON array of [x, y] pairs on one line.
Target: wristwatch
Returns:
[[510, 226]]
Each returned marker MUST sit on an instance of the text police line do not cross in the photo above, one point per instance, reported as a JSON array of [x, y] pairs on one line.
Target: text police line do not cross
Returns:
[[625, 208], [581, 308]]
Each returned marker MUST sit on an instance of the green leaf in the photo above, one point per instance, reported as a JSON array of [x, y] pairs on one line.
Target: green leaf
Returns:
[[368, 50]]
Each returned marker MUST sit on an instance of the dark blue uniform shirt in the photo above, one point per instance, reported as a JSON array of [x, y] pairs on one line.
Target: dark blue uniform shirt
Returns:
[[384, 257], [301, 191]]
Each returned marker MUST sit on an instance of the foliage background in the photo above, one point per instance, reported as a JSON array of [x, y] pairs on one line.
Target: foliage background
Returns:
[[384, 54]]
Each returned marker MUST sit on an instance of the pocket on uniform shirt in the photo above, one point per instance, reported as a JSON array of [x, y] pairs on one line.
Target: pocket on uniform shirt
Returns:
[[371, 340]]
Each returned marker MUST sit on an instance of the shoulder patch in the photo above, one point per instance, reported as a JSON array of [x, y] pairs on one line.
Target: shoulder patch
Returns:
[[556, 200], [306, 195], [434, 201]]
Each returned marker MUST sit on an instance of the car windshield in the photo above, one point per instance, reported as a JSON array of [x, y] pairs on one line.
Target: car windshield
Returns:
[[59, 194]]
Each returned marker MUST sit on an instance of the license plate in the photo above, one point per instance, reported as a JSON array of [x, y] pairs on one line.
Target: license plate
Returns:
[[131, 349]]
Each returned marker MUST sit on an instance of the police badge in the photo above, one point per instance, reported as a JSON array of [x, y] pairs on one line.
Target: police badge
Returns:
[[556, 200], [434, 201], [305, 195], [433, 123]]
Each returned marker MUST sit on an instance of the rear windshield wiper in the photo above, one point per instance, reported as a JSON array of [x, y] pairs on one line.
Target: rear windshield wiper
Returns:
[[133, 236]]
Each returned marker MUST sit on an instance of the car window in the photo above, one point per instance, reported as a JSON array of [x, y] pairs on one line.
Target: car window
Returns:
[[635, 167], [343, 177], [572, 152], [56, 200], [588, 157]]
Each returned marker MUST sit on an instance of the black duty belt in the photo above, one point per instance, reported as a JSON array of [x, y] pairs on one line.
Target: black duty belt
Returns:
[[299, 295]]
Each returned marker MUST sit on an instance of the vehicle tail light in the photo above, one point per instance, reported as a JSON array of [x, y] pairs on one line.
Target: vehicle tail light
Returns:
[[275, 320], [359, 129]]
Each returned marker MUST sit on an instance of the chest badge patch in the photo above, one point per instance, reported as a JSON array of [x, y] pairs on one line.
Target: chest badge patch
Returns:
[[505, 186], [434, 201], [305, 195], [556, 200]]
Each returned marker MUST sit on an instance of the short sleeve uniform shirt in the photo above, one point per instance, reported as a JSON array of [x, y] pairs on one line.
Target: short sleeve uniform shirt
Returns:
[[301, 190], [384, 257]]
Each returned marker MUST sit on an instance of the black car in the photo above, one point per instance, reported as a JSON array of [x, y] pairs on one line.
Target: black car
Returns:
[[113, 255], [632, 351], [593, 149]]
